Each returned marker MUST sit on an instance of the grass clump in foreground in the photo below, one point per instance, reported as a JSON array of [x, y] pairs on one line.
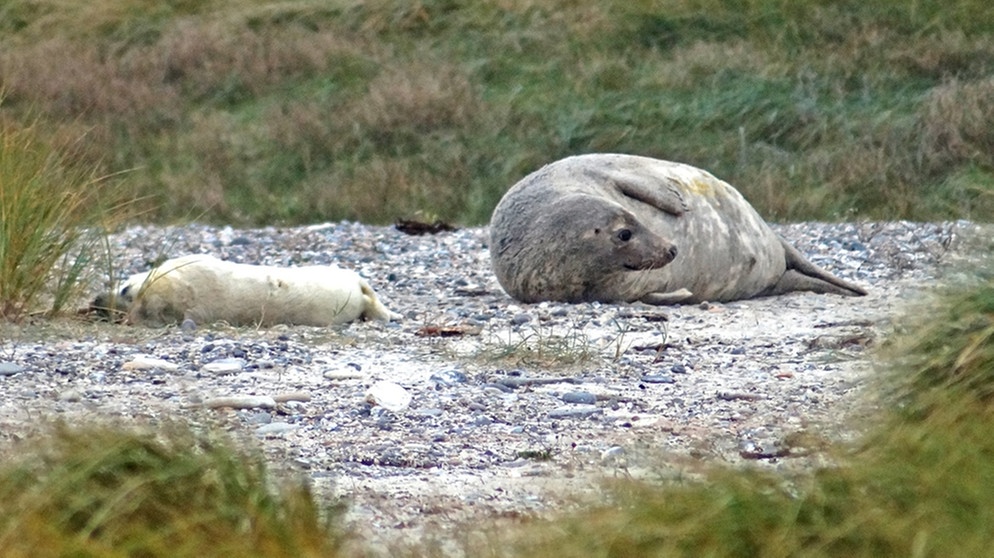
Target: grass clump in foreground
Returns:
[[106, 492], [919, 484], [54, 213]]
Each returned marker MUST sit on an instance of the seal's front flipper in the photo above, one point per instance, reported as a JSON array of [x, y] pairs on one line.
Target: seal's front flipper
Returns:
[[665, 299], [659, 192]]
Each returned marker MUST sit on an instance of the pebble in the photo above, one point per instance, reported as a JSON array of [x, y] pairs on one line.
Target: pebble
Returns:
[[258, 417], [579, 411], [389, 395], [301, 396], [143, 362], [224, 366], [579, 397], [346, 374], [276, 428], [658, 379], [521, 319], [70, 396], [241, 402], [10, 368], [448, 378]]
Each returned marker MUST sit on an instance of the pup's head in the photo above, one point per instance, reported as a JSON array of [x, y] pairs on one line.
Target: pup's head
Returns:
[[114, 305]]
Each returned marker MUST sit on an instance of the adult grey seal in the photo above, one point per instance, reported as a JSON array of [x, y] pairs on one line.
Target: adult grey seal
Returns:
[[205, 289], [624, 228]]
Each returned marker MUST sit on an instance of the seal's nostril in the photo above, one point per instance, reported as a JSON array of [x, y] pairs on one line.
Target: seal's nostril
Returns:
[[673, 251]]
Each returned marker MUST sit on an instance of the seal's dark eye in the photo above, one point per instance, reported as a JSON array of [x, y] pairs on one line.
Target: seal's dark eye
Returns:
[[624, 235]]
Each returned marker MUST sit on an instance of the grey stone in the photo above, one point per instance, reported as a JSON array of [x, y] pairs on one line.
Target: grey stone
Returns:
[[579, 397], [578, 411], [10, 368]]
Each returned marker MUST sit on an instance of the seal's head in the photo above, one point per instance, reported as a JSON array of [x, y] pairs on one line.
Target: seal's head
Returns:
[[612, 237], [576, 250]]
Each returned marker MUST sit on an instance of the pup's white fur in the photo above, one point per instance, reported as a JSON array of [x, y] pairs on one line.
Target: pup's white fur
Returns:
[[205, 289]]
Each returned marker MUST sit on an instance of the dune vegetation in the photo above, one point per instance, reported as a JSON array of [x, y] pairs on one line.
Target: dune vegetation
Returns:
[[248, 112]]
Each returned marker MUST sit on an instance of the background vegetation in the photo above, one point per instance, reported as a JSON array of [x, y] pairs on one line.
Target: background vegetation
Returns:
[[252, 112]]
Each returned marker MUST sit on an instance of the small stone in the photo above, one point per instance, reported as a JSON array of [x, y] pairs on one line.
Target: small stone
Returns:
[[346, 374], [70, 396], [388, 395], [241, 402], [658, 379], [521, 319], [224, 366], [448, 378], [302, 396], [579, 397], [10, 368], [482, 420], [498, 387], [275, 428], [143, 362], [258, 417], [579, 411], [678, 369], [188, 325]]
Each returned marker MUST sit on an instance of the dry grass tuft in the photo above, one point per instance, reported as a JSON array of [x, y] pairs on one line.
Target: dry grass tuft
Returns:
[[54, 215]]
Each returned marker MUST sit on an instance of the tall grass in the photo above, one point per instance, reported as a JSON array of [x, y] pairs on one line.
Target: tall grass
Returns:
[[248, 112], [54, 213], [108, 492]]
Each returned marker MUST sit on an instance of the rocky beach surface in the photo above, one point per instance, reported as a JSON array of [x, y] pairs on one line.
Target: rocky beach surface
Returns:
[[475, 405]]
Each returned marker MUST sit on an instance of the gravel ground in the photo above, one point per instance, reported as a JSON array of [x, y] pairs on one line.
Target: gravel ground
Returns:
[[514, 408]]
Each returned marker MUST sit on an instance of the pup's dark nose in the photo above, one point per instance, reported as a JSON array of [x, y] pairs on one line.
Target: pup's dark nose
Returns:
[[672, 251]]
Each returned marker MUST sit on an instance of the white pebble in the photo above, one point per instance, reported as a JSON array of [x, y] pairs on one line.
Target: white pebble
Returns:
[[225, 366], [388, 395], [142, 362]]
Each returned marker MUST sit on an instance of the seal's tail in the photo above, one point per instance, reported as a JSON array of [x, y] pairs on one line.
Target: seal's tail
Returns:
[[802, 275]]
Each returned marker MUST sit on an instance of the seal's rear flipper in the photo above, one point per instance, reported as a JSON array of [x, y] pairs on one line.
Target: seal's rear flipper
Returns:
[[802, 275], [664, 299]]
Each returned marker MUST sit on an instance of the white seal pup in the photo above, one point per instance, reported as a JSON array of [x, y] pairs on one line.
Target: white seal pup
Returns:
[[205, 289], [695, 237]]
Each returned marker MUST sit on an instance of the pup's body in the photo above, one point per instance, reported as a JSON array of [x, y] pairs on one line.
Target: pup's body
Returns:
[[205, 289]]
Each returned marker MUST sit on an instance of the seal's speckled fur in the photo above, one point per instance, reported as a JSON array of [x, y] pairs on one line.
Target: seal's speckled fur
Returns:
[[545, 243]]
